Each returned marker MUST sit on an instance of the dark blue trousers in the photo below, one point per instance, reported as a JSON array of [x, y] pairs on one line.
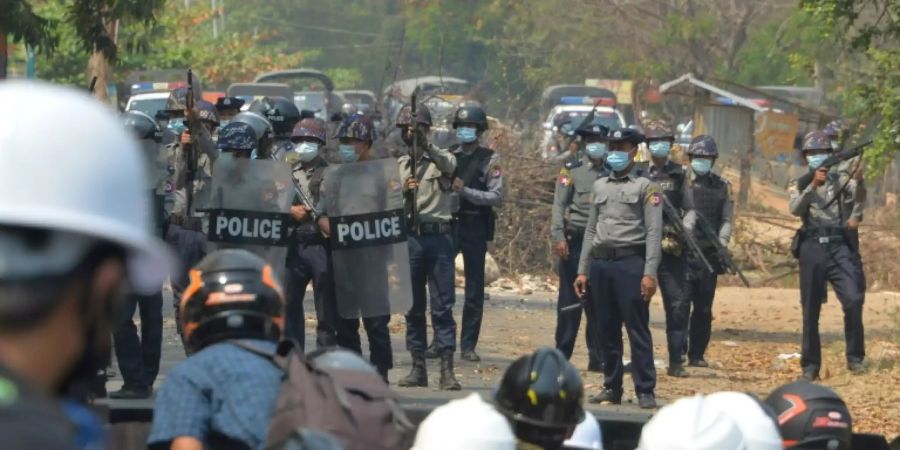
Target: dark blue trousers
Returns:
[[701, 292], [309, 260], [472, 241], [673, 285], [138, 357], [568, 322], [837, 264], [381, 355], [615, 290], [431, 264], [190, 246]]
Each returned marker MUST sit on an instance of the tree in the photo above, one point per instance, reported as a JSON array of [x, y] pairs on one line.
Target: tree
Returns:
[[869, 30], [20, 23]]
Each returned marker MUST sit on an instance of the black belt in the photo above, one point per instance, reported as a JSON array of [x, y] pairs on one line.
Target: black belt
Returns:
[[432, 228], [615, 253], [826, 235]]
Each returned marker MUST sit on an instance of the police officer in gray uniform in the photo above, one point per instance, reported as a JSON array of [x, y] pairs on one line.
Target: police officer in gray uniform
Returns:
[[309, 256], [710, 195], [571, 207], [828, 206], [431, 248], [672, 270], [620, 256], [478, 182]]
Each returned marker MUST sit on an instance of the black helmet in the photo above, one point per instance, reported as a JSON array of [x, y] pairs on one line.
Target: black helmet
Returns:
[[811, 414], [423, 116], [233, 294], [594, 128], [541, 394], [261, 126], [143, 126], [282, 113], [472, 115]]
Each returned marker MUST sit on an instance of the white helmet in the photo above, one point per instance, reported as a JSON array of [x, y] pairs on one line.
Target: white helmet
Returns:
[[587, 435], [691, 424], [67, 165], [483, 427], [759, 429]]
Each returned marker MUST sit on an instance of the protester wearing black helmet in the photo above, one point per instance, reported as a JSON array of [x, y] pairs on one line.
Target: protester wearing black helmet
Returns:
[[571, 207], [223, 395], [811, 416], [541, 395]]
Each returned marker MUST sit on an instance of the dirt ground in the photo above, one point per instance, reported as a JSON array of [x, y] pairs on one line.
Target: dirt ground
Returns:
[[751, 329]]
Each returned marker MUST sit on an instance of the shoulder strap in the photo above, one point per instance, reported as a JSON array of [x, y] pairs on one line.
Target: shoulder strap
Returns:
[[281, 355]]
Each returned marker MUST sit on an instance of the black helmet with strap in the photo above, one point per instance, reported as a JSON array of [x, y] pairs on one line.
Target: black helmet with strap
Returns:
[[472, 115]]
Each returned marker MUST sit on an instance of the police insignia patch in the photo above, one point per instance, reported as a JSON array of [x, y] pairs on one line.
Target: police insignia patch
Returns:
[[496, 172], [655, 198], [564, 180]]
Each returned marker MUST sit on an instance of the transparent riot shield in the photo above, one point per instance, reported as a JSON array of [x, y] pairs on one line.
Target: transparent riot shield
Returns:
[[249, 208], [370, 256]]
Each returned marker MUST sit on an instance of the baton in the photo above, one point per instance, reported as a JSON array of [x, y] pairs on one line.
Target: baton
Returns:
[[571, 307]]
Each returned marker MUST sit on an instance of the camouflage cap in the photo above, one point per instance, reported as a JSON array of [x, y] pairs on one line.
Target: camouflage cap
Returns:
[[658, 130], [313, 128], [208, 112], [236, 136], [423, 116], [357, 126], [816, 140], [703, 145], [835, 128]]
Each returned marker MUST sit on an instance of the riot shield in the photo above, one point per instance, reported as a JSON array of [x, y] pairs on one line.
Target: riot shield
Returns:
[[370, 256], [249, 208]]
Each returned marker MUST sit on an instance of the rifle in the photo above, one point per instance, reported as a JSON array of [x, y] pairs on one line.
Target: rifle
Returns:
[[721, 250], [305, 198], [93, 84], [832, 161], [414, 207], [188, 149], [587, 119], [693, 247]]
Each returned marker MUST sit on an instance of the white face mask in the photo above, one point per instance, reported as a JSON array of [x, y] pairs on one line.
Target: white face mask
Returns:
[[306, 151]]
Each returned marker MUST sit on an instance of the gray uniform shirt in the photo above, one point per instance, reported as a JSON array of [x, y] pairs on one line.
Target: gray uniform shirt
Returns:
[[433, 199], [810, 203], [625, 211], [572, 198], [206, 155]]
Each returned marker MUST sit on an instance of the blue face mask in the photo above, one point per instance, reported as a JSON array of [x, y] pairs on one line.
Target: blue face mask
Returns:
[[348, 153], [660, 149], [618, 160], [176, 126], [466, 134], [596, 150], [701, 166], [815, 161], [307, 151]]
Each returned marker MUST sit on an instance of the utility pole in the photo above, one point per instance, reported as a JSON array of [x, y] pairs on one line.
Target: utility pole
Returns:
[[215, 21]]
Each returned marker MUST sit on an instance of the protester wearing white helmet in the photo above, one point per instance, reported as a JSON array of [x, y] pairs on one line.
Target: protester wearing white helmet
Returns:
[[759, 429], [691, 423], [465, 424], [587, 435], [74, 229]]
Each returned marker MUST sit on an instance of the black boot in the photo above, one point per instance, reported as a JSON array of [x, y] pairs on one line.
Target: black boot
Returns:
[[418, 375], [448, 379], [431, 352]]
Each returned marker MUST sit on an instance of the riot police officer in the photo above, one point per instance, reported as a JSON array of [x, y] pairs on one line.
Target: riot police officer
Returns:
[[356, 135], [710, 195], [192, 184], [478, 181], [571, 207], [309, 255], [138, 357], [283, 114], [431, 251], [620, 255], [827, 205], [672, 273], [262, 128]]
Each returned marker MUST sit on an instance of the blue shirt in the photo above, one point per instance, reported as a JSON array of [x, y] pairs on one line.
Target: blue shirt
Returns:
[[223, 389]]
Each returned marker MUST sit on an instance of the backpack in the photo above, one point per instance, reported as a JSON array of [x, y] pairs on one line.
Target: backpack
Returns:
[[358, 408]]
